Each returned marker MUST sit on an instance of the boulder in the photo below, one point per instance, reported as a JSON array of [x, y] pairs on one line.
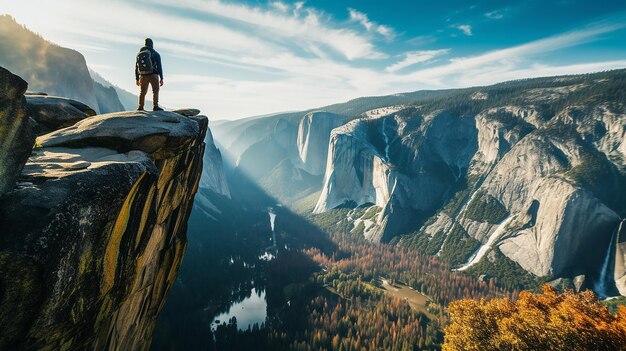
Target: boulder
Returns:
[[53, 113], [16, 129], [187, 112]]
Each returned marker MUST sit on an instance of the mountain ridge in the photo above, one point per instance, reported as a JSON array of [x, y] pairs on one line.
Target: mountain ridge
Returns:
[[51, 68]]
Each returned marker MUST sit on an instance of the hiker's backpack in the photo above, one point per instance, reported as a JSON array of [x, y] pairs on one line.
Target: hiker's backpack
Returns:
[[144, 62]]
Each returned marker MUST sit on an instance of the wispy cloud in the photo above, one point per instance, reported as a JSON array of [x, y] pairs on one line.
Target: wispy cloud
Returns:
[[413, 57], [370, 26], [509, 59], [280, 6], [465, 28], [495, 14], [421, 40], [233, 60], [303, 24]]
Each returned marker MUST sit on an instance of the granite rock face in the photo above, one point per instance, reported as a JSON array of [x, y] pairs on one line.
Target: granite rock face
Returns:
[[541, 181], [619, 273], [213, 178], [16, 129], [93, 236], [52, 113], [313, 137]]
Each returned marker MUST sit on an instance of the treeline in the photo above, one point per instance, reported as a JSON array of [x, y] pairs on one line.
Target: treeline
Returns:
[[365, 319], [426, 274], [355, 317]]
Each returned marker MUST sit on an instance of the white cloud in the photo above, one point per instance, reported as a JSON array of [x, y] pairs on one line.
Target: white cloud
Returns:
[[513, 58], [413, 57], [303, 26], [465, 28], [233, 60], [363, 19], [280, 6], [496, 14]]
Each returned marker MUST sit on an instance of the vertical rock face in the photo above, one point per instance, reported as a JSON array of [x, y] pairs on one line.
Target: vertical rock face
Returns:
[[213, 170], [620, 258], [313, 136], [538, 176], [92, 240], [356, 172], [373, 161], [16, 129]]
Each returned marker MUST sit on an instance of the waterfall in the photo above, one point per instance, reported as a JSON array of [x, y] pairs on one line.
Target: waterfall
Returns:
[[272, 219], [605, 282], [386, 139], [495, 236]]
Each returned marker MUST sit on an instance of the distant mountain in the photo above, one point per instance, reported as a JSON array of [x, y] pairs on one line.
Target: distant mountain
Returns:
[[127, 99], [520, 180], [52, 69]]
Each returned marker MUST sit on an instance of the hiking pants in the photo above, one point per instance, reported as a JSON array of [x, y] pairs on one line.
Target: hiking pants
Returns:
[[144, 81]]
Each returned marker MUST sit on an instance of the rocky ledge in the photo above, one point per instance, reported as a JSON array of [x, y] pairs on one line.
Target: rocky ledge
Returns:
[[94, 230]]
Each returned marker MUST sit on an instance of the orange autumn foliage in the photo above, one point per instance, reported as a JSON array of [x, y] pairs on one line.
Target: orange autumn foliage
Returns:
[[544, 321]]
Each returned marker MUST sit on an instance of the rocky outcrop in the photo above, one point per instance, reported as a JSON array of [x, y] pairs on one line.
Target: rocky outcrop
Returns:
[[16, 129], [93, 236], [313, 137], [52, 113]]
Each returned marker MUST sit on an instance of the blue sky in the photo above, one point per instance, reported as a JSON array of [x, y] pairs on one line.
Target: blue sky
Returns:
[[237, 59]]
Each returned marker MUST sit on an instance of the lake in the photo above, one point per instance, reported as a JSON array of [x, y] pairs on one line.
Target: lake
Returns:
[[251, 310]]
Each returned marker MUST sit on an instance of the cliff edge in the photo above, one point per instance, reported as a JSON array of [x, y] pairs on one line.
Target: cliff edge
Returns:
[[94, 231]]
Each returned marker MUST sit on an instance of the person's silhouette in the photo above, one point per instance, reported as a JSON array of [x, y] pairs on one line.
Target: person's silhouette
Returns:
[[148, 71]]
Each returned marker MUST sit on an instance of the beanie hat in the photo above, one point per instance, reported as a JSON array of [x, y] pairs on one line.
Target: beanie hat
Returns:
[[149, 42]]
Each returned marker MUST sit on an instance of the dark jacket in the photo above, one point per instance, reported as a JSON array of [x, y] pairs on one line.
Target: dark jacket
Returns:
[[156, 59]]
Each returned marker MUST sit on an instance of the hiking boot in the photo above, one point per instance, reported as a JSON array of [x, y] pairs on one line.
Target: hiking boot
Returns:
[[157, 108], [140, 108]]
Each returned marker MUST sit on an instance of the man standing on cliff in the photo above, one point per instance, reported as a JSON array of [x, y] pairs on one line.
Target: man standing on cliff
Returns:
[[149, 71]]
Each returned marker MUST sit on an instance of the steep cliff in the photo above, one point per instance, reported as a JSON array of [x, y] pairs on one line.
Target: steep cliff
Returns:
[[95, 230], [313, 136], [372, 162], [533, 170], [214, 179], [287, 152]]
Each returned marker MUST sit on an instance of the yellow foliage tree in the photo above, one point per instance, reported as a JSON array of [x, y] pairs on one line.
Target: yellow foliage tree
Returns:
[[544, 321]]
